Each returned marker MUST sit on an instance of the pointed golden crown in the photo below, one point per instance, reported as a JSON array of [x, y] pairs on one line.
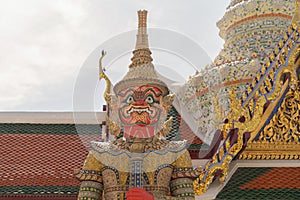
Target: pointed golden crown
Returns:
[[141, 70]]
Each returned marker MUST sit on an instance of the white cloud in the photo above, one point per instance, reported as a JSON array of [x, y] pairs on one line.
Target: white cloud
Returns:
[[44, 43]]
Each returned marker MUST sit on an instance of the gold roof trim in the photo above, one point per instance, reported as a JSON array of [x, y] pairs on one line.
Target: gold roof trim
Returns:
[[280, 137], [277, 84]]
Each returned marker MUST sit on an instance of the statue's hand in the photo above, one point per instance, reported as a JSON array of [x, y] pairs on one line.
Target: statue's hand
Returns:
[[138, 194]]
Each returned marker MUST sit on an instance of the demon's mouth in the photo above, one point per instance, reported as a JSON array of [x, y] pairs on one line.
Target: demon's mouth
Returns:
[[139, 115], [139, 110]]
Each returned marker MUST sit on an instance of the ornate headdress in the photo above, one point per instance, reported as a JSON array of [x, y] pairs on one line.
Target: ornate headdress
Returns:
[[141, 70], [141, 73]]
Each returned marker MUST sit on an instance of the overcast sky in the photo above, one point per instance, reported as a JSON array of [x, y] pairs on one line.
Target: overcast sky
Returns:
[[45, 43]]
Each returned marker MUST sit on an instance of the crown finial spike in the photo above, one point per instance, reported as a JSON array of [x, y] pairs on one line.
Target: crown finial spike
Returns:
[[142, 53], [142, 18], [142, 36]]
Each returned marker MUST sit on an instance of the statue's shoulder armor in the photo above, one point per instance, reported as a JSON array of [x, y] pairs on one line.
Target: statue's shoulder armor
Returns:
[[113, 149], [106, 147], [101, 146]]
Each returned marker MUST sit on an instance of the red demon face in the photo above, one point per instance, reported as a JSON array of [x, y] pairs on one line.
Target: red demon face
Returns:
[[140, 110]]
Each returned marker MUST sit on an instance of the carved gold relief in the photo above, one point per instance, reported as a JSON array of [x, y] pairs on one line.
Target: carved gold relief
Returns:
[[280, 139]]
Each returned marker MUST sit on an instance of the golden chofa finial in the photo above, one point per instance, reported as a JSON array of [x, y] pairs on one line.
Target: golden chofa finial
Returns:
[[296, 18], [142, 18]]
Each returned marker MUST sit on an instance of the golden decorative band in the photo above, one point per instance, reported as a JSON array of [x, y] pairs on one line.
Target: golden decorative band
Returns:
[[145, 187]]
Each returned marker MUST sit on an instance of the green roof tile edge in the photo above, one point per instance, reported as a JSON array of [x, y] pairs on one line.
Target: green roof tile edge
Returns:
[[262, 194], [55, 129], [243, 176], [4, 190]]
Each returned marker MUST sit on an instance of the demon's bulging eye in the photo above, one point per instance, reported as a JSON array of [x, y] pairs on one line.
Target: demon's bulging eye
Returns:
[[129, 100], [149, 99]]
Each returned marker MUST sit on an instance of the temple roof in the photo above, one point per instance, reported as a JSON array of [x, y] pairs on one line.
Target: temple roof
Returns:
[[40, 158], [263, 183]]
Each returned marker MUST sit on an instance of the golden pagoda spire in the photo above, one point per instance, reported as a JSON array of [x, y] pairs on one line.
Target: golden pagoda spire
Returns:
[[142, 53], [296, 18]]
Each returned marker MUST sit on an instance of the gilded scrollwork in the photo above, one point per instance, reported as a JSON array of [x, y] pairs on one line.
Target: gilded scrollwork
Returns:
[[280, 139], [285, 124], [250, 115]]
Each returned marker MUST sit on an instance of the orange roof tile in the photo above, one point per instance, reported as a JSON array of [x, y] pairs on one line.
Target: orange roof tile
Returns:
[[283, 177], [41, 159]]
